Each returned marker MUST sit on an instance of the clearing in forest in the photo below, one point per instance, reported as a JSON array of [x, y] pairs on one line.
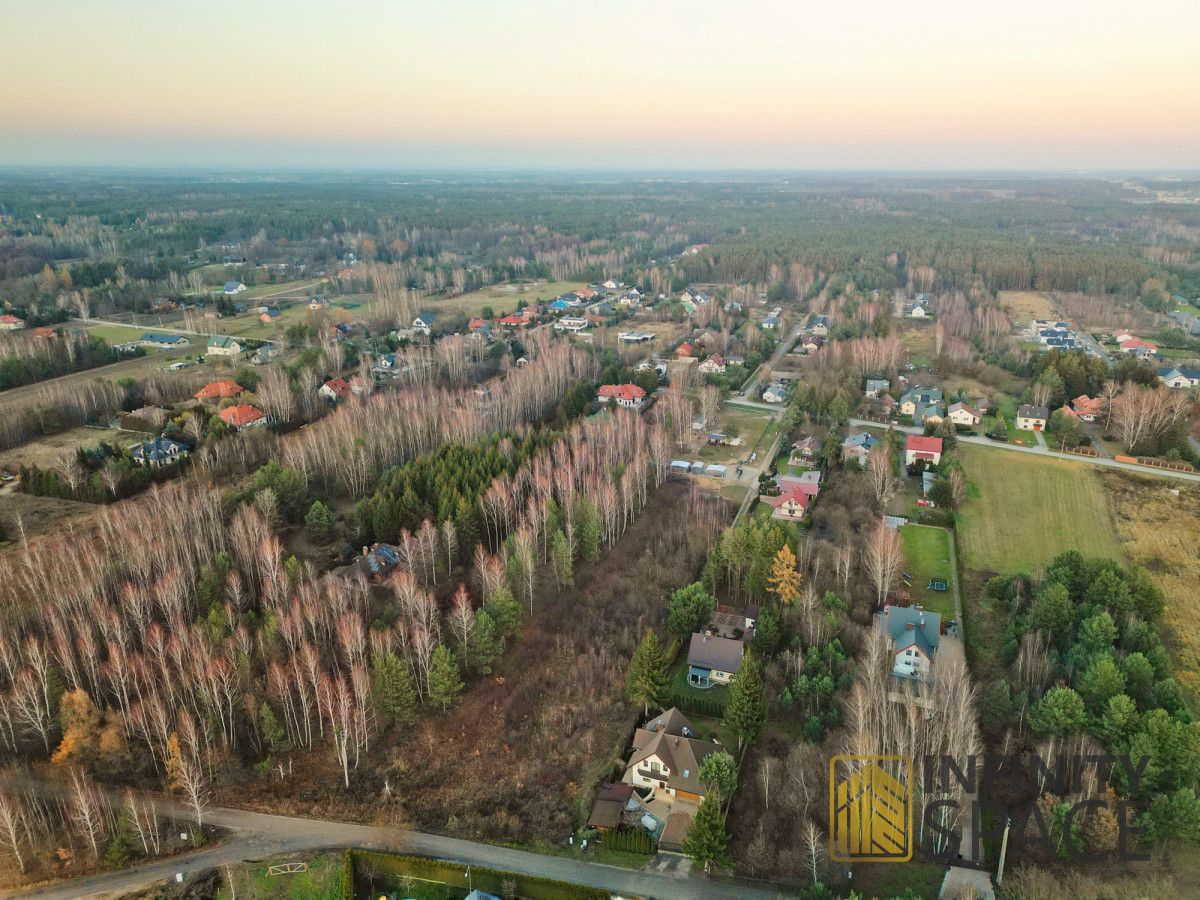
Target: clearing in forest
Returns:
[[1023, 510], [1024, 306]]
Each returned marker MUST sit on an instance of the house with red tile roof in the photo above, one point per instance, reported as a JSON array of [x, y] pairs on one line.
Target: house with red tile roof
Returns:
[[684, 349], [243, 416], [517, 320], [335, 389], [9, 322], [1137, 345], [631, 396], [1087, 408], [219, 390], [792, 502], [919, 446]]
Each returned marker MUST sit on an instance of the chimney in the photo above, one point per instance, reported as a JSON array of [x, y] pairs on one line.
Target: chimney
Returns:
[[366, 550]]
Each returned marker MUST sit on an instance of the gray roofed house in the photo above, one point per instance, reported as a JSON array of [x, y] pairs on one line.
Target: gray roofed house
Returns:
[[234, 287], [1175, 377], [667, 756], [858, 446], [713, 660], [1032, 418], [159, 452], [876, 386], [424, 321]]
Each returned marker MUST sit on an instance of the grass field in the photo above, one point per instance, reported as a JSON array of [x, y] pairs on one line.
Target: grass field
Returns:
[[1161, 531], [251, 881], [1022, 510], [755, 428], [117, 334], [1023, 306], [46, 451], [501, 297], [926, 556], [36, 515]]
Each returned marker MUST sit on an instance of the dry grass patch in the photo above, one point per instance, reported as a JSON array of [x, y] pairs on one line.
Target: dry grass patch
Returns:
[[1161, 531], [1025, 305], [1023, 510]]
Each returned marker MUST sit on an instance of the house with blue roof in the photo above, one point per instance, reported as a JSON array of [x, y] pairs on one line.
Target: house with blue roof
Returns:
[[858, 447], [159, 452], [163, 341], [374, 564], [915, 633]]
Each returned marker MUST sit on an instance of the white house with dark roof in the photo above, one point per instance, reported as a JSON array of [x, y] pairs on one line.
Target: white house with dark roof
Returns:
[[915, 634], [713, 660]]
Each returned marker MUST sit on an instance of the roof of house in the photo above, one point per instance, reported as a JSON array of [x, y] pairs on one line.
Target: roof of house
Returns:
[[676, 828], [682, 757], [863, 439], [1087, 406], [627, 392], [514, 319], [920, 443], [716, 360], [10, 319], [671, 721], [909, 625], [712, 652], [1175, 371], [339, 386], [223, 341], [428, 316], [810, 444], [233, 285], [158, 448], [800, 494], [966, 407], [240, 415], [1033, 412], [159, 338], [218, 390]]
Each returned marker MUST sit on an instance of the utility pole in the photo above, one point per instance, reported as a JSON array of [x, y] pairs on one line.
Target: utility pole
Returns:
[[1003, 850]]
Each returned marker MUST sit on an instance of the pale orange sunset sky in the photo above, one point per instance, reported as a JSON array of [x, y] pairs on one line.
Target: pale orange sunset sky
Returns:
[[1059, 84]]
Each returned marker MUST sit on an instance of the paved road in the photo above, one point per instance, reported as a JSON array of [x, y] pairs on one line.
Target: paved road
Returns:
[[767, 367], [1040, 451], [258, 835]]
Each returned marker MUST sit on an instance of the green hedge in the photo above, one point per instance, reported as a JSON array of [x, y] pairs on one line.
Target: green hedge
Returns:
[[703, 706], [528, 887]]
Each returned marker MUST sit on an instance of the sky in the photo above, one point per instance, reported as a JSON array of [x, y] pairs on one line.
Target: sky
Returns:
[[781, 84]]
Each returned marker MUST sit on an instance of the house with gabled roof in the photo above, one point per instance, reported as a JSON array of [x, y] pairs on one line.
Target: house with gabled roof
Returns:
[[222, 345], [335, 389], [806, 452], [219, 390], [243, 416], [876, 386], [1086, 408], [424, 322], [713, 660], [234, 287], [163, 341], [919, 447], [374, 564], [1032, 418], [713, 365], [964, 414], [919, 398], [1174, 377], [858, 446], [915, 634], [158, 452]]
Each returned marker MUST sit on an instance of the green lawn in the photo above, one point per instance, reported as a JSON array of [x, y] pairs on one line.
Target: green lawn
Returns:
[[1023, 510], [119, 334], [323, 879], [680, 685], [502, 297], [926, 556]]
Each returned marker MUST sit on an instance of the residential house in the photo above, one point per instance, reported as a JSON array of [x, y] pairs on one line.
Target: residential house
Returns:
[[243, 416], [424, 322], [573, 324], [819, 326], [612, 285], [516, 320], [163, 341], [776, 393], [730, 622], [317, 303], [9, 322], [234, 287], [666, 760], [1174, 377], [965, 415], [335, 389], [224, 346], [269, 315], [219, 390], [1032, 418], [1087, 409], [585, 293], [812, 344], [630, 396], [373, 564], [933, 413], [713, 660], [560, 305], [616, 805], [734, 359], [858, 447], [635, 337], [1137, 346], [919, 447], [806, 452], [683, 351], [771, 322], [876, 386], [43, 331], [713, 365], [159, 452], [631, 297], [918, 398], [917, 310], [915, 634], [791, 504], [266, 353]]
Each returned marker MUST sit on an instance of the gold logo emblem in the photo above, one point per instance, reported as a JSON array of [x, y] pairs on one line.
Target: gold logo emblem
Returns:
[[870, 809]]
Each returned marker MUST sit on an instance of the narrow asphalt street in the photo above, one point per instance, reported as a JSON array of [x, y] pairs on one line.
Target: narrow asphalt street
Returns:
[[256, 836]]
